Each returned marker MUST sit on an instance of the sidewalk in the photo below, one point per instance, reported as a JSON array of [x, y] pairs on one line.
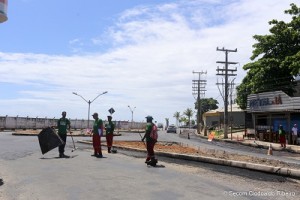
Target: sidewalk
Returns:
[[239, 138]]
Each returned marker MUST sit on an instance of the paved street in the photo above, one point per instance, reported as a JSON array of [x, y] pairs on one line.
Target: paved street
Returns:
[[27, 174]]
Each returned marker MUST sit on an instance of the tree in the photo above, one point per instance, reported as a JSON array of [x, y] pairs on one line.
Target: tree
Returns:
[[177, 116], [278, 59], [183, 119], [207, 105], [189, 113]]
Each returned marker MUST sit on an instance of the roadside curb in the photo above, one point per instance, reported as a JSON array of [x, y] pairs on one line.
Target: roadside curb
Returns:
[[245, 165], [256, 145]]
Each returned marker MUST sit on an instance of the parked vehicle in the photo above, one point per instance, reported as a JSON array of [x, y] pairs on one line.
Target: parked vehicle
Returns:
[[171, 129], [160, 125]]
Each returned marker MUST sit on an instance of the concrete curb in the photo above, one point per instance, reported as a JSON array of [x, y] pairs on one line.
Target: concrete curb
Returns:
[[245, 165], [291, 149]]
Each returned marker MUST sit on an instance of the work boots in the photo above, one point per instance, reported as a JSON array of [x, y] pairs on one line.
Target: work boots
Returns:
[[99, 155], [62, 155], [152, 162]]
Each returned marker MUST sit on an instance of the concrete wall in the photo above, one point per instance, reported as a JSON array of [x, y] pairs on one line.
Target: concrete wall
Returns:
[[7, 122]]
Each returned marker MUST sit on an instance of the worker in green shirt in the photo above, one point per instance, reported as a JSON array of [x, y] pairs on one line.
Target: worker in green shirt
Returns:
[[109, 127], [63, 125], [97, 133], [151, 138]]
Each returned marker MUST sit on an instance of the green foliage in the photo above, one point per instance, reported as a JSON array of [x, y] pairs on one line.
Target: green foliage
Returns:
[[189, 113], [278, 59], [177, 116], [207, 104]]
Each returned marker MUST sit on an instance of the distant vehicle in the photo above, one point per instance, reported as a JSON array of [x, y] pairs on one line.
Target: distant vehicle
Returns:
[[160, 125], [171, 129]]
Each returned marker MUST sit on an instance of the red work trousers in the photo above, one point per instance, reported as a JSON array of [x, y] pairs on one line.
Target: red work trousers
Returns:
[[109, 139], [97, 144], [150, 150]]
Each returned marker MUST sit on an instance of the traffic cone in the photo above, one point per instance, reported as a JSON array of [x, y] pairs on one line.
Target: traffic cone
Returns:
[[270, 151]]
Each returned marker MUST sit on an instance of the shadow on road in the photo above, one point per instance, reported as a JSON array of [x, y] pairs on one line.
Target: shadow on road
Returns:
[[59, 157]]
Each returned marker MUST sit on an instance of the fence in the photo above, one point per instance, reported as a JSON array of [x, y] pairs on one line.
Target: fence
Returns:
[[12, 123]]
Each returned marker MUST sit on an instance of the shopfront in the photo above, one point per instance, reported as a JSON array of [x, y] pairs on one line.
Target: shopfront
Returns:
[[271, 109]]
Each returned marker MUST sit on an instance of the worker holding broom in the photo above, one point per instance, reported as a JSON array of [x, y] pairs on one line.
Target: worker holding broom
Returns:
[[151, 139]]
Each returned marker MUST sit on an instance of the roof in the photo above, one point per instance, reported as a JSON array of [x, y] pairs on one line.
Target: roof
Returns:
[[217, 112]]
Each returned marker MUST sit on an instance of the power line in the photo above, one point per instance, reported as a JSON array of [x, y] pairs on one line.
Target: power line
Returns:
[[226, 72], [199, 90]]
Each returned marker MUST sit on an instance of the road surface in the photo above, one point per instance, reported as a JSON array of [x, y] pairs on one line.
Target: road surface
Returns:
[[27, 174]]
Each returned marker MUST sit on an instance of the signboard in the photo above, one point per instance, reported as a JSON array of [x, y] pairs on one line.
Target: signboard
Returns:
[[111, 111], [272, 102]]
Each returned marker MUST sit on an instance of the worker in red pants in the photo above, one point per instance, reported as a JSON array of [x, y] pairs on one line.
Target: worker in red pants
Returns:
[[97, 133], [151, 139], [109, 127]]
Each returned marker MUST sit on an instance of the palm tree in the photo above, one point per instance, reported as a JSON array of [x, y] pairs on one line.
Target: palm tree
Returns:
[[167, 122], [183, 119], [177, 116], [189, 113]]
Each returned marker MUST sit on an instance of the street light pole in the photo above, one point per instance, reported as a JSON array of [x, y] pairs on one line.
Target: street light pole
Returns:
[[89, 102], [131, 114]]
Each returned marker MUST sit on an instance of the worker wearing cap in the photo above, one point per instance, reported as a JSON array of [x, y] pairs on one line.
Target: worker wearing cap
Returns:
[[97, 132], [109, 128], [150, 142], [63, 125]]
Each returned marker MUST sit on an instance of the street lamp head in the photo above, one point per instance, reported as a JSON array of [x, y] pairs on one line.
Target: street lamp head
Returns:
[[104, 92], [75, 93]]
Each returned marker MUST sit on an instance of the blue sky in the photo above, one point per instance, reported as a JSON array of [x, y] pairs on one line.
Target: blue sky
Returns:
[[142, 52]]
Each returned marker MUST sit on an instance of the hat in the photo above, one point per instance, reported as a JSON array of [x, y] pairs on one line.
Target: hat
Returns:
[[109, 116], [149, 117], [95, 114]]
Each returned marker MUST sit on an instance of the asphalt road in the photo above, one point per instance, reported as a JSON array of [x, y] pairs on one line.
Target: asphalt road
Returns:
[[27, 174]]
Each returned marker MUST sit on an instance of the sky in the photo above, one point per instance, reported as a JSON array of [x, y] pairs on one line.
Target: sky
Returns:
[[142, 52]]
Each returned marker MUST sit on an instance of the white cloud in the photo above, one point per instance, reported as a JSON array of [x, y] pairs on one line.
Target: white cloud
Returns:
[[150, 65]]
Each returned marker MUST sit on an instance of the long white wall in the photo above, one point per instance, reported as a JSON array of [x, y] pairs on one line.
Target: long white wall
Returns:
[[7, 122]]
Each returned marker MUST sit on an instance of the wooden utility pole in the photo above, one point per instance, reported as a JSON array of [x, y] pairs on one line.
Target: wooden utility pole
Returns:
[[226, 72], [199, 89]]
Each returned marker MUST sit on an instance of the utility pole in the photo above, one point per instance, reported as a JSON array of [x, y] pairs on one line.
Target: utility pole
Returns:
[[199, 89], [226, 72]]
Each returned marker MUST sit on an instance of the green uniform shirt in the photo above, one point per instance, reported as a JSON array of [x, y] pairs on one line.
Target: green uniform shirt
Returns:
[[98, 124], [281, 132], [148, 131], [63, 124], [109, 127]]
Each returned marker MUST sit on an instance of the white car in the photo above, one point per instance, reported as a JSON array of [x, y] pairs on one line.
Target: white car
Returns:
[[171, 129]]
